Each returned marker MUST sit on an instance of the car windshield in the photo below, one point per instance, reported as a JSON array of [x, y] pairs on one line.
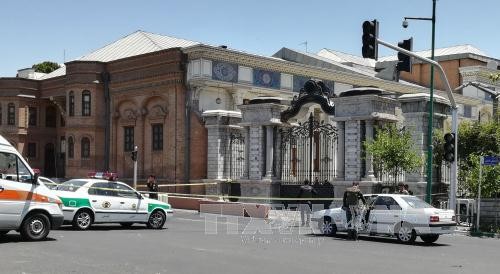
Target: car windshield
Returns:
[[71, 185], [416, 202]]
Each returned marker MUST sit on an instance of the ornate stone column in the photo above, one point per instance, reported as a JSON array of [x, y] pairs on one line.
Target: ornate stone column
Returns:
[[246, 171], [269, 151], [369, 158]]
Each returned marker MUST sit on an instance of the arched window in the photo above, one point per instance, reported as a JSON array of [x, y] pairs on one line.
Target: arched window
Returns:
[[85, 148], [71, 148], [86, 103], [50, 116], [71, 103], [11, 114]]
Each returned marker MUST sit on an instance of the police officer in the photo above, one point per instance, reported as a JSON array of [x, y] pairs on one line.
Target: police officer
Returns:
[[350, 202], [152, 187], [306, 191]]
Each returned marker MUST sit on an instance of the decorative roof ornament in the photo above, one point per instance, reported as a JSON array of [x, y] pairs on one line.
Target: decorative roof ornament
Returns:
[[312, 92]]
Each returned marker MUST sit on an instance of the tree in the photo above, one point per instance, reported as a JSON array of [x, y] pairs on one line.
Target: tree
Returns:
[[438, 152], [495, 77], [393, 151], [46, 67], [490, 179], [475, 140]]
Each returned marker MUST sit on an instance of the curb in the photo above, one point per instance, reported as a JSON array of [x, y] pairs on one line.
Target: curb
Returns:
[[485, 234]]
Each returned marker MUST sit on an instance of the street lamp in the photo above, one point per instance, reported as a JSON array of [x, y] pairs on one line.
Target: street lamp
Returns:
[[431, 107]]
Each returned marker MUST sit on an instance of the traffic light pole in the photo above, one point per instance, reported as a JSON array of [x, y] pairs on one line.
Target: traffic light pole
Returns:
[[431, 90], [135, 169], [431, 111], [454, 117]]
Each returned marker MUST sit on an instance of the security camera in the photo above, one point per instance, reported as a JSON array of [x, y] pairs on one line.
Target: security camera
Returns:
[[405, 24]]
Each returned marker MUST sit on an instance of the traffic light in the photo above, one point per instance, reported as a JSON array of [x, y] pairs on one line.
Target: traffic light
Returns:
[[404, 61], [133, 155], [449, 147], [370, 35]]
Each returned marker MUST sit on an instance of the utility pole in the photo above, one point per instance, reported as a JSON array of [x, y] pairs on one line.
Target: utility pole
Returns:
[[134, 158], [430, 121]]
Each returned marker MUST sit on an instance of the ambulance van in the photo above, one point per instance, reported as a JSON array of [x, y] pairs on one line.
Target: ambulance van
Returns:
[[26, 204]]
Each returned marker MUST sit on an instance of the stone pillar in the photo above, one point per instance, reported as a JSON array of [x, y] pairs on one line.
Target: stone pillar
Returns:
[[269, 151], [260, 116], [355, 115], [352, 158], [340, 150], [415, 111], [369, 158], [215, 165], [256, 155], [218, 124], [247, 152]]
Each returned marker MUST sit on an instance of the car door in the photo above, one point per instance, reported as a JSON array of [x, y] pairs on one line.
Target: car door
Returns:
[[131, 206], [16, 190], [104, 202], [385, 213]]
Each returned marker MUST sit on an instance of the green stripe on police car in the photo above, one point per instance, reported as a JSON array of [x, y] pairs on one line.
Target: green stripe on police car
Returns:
[[151, 207], [75, 202]]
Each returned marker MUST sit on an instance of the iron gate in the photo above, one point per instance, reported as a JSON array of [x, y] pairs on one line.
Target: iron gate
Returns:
[[308, 152], [234, 155]]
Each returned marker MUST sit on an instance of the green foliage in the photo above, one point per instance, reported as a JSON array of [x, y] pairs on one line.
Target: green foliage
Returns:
[[393, 152], [46, 67], [476, 139], [438, 150], [495, 77], [490, 178]]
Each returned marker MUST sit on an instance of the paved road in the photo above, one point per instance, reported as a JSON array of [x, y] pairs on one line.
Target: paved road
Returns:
[[188, 245]]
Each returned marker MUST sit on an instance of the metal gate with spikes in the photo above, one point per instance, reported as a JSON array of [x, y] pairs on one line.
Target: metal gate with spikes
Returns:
[[307, 152]]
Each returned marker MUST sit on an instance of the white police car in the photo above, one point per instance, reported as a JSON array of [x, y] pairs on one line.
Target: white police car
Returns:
[[92, 200]]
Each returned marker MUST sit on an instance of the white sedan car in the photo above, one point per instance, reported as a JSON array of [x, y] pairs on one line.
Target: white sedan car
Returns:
[[88, 201], [403, 216]]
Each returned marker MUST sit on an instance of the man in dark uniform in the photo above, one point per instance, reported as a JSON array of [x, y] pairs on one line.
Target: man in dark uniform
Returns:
[[306, 191], [152, 187], [350, 203]]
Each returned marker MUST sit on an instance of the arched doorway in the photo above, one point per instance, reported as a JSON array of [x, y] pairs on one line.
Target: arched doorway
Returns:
[[49, 161]]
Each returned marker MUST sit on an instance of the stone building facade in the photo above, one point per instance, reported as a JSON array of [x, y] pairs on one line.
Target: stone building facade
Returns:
[[89, 115], [185, 105]]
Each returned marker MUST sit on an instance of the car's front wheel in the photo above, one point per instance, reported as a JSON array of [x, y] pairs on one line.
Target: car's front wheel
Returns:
[[83, 219], [405, 233], [156, 219], [328, 228], [35, 227], [429, 238]]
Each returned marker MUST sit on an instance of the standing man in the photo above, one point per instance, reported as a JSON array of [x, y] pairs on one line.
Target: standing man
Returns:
[[306, 191], [407, 188], [350, 203], [402, 190], [152, 187]]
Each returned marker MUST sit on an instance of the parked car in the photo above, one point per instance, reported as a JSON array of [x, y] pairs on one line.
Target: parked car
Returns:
[[100, 199], [48, 182], [402, 216]]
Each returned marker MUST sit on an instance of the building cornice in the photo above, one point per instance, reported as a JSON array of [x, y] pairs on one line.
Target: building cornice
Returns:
[[275, 64]]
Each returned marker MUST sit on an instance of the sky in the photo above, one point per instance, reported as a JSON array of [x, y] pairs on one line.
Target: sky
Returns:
[[56, 30]]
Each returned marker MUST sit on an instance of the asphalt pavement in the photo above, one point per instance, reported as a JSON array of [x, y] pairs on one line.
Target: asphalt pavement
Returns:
[[191, 243]]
